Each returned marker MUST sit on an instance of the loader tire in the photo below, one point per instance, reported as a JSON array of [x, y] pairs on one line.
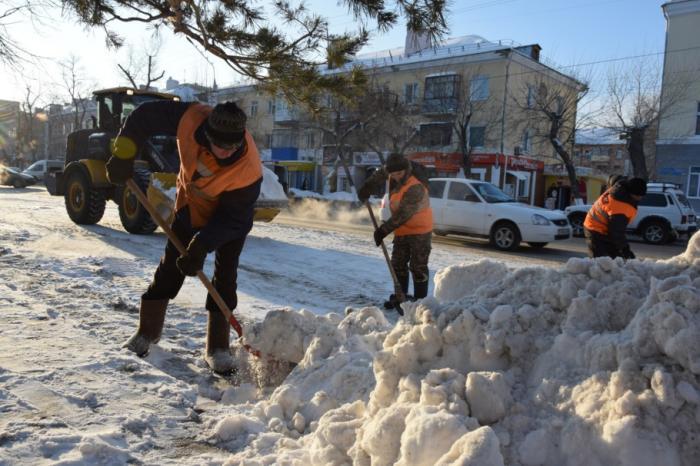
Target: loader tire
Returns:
[[84, 203], [135, 218]]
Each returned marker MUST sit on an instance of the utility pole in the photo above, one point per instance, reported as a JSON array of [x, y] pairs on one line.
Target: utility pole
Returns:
[[508, 53]]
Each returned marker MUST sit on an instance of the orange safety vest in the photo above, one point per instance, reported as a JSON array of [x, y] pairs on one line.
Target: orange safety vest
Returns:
[[422, 221], [605, 207], [202, 195]]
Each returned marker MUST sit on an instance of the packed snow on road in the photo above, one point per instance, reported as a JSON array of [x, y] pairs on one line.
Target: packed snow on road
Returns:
[[595, 362]]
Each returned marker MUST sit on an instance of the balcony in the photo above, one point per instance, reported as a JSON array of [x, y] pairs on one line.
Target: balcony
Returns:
[[440, 106]]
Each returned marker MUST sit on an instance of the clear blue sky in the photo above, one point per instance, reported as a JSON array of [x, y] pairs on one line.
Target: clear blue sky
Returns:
[[569, 31]]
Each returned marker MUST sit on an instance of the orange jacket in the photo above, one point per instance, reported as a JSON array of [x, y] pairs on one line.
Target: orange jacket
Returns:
[[422, 221], [202, 195], [603, 209]]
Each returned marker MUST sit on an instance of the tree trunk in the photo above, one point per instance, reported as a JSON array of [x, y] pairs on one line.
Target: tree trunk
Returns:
[[564, 156], [635, 149], [465, 151]]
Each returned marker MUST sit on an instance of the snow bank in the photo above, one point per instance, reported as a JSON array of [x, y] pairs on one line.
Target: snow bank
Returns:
[[594, 363]]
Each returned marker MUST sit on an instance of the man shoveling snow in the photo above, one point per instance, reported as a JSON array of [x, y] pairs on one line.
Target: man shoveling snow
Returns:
[[218, 184]]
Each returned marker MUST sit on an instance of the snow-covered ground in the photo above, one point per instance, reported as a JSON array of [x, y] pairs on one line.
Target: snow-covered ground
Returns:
[[595, 362]]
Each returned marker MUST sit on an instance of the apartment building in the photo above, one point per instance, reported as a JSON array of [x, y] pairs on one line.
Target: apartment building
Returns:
[[678, 143], [496, 78]]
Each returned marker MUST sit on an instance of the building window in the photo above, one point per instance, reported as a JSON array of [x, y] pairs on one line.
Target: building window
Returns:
[[270, 106], [435, 134], [477, 136], [694, 183], [410, 93], [530, 96], [697, 121], [253, 108], [310, 140], [527, 142], [268, 140], [479, 88], [441, 87]]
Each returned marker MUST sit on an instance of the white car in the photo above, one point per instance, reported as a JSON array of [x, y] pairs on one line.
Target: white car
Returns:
[[480, 209], [41, 168], [663, 215]]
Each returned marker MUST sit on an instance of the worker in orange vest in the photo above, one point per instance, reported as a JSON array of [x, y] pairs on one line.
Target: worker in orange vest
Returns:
[[411, 222], [606, 222], [219, 180]]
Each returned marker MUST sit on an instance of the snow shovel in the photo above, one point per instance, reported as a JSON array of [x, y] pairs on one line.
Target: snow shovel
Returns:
[[202, 277], [398, 292]]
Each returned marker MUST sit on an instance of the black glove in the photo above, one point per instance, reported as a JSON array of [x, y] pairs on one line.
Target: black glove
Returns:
[[192, 262], [381, 233], [627, 253], [364, 193], [119, 170]]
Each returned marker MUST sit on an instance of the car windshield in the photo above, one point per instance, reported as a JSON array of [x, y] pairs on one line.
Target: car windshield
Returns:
[[682, 200], [492, 194], [34, 166]]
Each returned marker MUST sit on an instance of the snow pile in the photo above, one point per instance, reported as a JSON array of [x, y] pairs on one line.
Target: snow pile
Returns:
[[594, 363], [271, 188]]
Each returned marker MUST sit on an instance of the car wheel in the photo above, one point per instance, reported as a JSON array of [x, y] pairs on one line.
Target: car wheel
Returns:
[[537, 245], [655, 232], [440, 233], [576, 220], [85, 204], [505, 236], [18, 184], [135, 218]]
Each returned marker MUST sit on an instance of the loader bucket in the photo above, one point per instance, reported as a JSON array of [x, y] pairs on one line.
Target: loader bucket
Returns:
[[161, 194]]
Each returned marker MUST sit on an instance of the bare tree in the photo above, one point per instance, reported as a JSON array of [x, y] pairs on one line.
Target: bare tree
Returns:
[[27, 139], [549, 106], [77, 86], [385, 121], [12, 54], [142, 67], [240, 33], [634, 107], [469, 106]]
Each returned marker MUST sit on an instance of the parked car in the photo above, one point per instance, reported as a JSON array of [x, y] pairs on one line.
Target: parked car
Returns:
[[664, 215], [12, 177], [41, 168], [479, 209]]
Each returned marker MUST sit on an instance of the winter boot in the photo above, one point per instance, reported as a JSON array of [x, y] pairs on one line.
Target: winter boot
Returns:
[[218, 354], [393, 302], [420, 290], [151, 318]]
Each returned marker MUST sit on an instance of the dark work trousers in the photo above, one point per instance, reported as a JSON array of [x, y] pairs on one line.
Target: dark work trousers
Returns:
[[167, 279], [411, 253], [599, 245]]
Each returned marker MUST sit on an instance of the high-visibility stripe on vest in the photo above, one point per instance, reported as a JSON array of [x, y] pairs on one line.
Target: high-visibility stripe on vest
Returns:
[[422, 221], [202, 195], [605, 207]]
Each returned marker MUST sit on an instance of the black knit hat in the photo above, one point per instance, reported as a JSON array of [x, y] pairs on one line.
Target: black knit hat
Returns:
[[225, 126], [395, 163], [637, 186]]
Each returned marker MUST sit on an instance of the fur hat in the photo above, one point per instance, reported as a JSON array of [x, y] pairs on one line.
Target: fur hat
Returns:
[[225, 125], [395, 163], [637, 186]]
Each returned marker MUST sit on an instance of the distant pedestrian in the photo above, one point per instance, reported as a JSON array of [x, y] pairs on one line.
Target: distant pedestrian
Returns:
[[411, 222], [606, 223]]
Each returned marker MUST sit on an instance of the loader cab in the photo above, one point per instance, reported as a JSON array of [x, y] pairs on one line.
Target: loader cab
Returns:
[[115, 105]]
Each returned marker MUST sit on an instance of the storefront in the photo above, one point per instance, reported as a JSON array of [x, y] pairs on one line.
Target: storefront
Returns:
[[558, 193], [520, 180]]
